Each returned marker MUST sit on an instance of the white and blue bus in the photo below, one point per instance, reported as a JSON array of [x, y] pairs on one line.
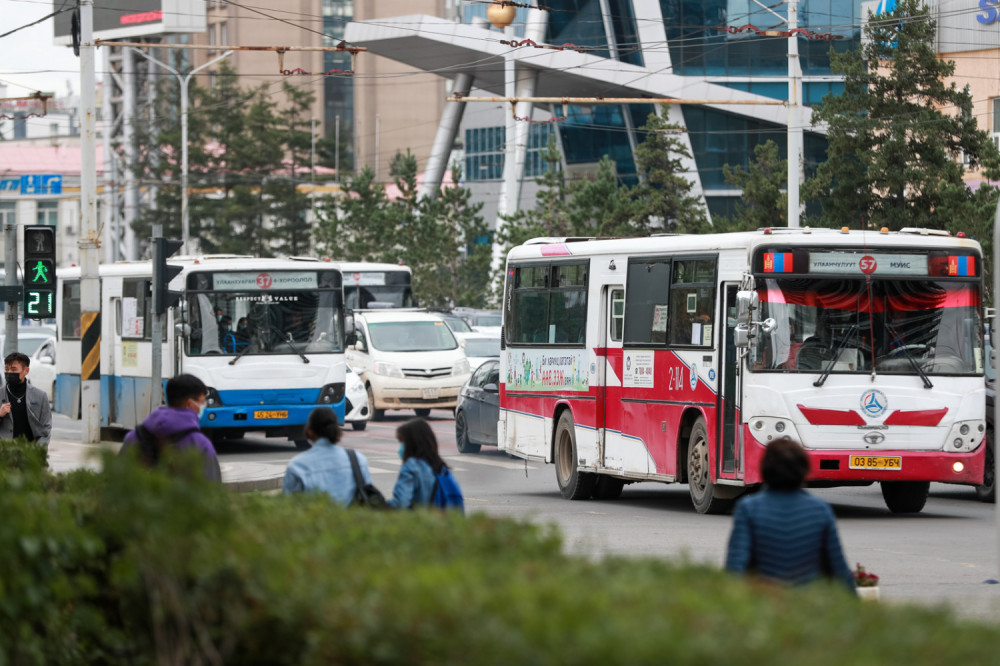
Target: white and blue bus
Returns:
[[265, 335]]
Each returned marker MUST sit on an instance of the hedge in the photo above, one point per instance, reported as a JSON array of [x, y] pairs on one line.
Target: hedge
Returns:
[[133, 566]]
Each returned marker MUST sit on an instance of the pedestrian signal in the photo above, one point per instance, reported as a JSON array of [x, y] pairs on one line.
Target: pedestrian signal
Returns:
[[40, 272]]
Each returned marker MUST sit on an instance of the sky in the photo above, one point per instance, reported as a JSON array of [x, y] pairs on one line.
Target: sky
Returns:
[[28, 58]]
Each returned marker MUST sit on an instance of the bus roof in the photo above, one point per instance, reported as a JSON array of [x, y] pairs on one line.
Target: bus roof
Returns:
[[229, 262], [555, 248]]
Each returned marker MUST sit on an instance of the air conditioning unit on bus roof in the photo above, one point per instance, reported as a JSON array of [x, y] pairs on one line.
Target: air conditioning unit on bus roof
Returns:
[[920, 231]]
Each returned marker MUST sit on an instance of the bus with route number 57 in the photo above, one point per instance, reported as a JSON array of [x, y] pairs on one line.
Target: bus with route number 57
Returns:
[[678, 358]]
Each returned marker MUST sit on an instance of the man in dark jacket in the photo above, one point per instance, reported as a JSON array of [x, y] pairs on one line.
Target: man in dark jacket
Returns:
[[24, 409], [176, 425]]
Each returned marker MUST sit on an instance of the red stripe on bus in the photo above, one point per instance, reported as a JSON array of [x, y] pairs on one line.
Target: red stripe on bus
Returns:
[[920, 417], [831, 416]]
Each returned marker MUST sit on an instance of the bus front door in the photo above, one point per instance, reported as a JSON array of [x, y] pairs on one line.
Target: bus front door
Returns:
[[730, 463]]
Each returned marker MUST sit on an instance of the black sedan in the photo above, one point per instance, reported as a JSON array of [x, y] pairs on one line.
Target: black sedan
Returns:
[[478, 409]]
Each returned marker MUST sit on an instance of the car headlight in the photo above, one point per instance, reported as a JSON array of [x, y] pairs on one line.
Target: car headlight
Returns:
[[387, 369], [461, 367], [356, 388]]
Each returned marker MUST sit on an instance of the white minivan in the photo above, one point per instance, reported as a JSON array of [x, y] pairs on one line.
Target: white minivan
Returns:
[[407, 360]]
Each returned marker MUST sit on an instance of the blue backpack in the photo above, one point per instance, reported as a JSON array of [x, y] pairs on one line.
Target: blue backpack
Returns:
[[447, 494]]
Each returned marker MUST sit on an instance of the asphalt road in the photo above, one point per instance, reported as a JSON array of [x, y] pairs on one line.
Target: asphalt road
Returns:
[[943, 554]]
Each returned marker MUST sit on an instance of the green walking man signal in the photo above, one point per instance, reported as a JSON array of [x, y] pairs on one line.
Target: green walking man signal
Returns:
[[40, 272]]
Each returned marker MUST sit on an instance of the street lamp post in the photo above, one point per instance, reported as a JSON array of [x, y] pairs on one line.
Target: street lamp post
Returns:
[[184, 81]]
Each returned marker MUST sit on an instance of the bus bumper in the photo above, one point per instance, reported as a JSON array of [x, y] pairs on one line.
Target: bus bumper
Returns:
[[264, 417], [834, 466]]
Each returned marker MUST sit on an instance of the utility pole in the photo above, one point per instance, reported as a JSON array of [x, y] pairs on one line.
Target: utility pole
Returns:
[[89, 243], [794, 106], [336, 148]]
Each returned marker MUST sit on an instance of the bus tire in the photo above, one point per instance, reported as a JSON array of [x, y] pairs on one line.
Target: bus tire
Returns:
[[302, 444], [700, 485], [573, 484], [377, 414], [905, 496], [465, 445], [987, 492], [608, 488]]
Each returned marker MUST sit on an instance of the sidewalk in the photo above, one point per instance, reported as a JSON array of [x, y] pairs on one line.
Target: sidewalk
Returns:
[[65, 456]]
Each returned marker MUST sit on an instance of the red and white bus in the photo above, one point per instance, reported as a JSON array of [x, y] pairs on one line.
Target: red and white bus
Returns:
[[678, 358]]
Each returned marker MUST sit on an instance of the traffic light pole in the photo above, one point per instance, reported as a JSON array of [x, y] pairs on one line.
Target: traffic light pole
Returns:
[[89, 243]]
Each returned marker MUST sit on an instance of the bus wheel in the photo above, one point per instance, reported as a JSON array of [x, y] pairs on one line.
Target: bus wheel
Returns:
[[608, 488], [987, 491], [377, 414], [905, 496], [573, 484], [302, 444], [699, 479], [462, 435]]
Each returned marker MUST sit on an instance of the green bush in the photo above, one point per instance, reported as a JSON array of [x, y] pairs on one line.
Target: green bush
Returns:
[[134, 566]]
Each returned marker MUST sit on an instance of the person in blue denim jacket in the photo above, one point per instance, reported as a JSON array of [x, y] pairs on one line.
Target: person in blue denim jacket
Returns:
[[325, 467], [419, 450]]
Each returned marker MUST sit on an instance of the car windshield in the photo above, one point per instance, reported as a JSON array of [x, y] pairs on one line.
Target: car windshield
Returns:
[[482, 347], [409, 336], [29, 346], [254, 323], [853, 326], [488, 320]]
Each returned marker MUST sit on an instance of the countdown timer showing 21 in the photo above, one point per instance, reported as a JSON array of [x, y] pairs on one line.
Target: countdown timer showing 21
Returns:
[[39, 272]]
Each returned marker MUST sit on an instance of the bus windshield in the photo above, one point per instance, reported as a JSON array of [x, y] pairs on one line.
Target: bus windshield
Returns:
[[256, 322], [854, 326]]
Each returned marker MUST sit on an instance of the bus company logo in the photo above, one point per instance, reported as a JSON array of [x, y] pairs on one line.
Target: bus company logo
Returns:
[[628, 362], [264, 281], [867, 264], [874, 403], [694, 376]]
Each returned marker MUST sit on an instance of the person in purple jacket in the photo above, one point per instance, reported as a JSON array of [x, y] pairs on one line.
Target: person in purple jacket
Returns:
[[176, 424]]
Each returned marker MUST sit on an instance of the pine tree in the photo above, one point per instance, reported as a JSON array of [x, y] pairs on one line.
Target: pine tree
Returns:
[[896, 131], [763, 202]]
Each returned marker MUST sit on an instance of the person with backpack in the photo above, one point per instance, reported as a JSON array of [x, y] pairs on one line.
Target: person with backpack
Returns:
[[424, 479], [327, 467], [176, 425]]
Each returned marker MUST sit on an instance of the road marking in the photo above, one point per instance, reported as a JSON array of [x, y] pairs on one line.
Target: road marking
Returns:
[[502, 464]]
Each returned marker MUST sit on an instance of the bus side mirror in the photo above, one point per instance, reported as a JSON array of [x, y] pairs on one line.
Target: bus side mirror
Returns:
[[741, 336], [182, 330], [746, 303]]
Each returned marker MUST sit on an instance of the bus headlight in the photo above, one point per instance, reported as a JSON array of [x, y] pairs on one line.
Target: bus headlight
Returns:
[[212, 399], [766, 429], [331, 394], [965, 436], [387, 369], [461, 367]]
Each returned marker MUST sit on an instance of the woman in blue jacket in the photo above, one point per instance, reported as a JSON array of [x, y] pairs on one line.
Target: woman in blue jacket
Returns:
[[419, 450]]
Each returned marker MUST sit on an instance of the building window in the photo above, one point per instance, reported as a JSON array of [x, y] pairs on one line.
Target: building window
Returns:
[[484, 153], [223, 33], [8, 213], [48, 213]]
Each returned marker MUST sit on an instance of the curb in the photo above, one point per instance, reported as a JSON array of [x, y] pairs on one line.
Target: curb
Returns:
[[253, 485]]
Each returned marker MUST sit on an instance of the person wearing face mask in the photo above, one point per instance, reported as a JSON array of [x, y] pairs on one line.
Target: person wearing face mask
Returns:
[[176, 424], [325, 467], [24, 409], [419, 451]]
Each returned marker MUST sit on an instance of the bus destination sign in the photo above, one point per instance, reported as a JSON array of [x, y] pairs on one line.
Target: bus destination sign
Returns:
[[868, 263]]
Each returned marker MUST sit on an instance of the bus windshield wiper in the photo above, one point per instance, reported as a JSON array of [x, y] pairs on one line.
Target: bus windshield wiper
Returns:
[[290, 341], [242, 353], [913, 361], [836, 354]]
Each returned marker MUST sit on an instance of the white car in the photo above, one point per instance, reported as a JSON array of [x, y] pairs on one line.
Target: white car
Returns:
[[407, 360], [39, 344], [356, 411], [479, 347]]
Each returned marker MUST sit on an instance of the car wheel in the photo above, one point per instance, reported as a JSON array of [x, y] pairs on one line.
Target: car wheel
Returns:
[[359, 425], [377, 414], [700, 485], [573, 484], [422, 413], [462, 435], [987, 491], [905, 496]]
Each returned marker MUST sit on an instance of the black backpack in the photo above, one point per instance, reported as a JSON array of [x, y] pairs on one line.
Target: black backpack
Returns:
[[365, 494]]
